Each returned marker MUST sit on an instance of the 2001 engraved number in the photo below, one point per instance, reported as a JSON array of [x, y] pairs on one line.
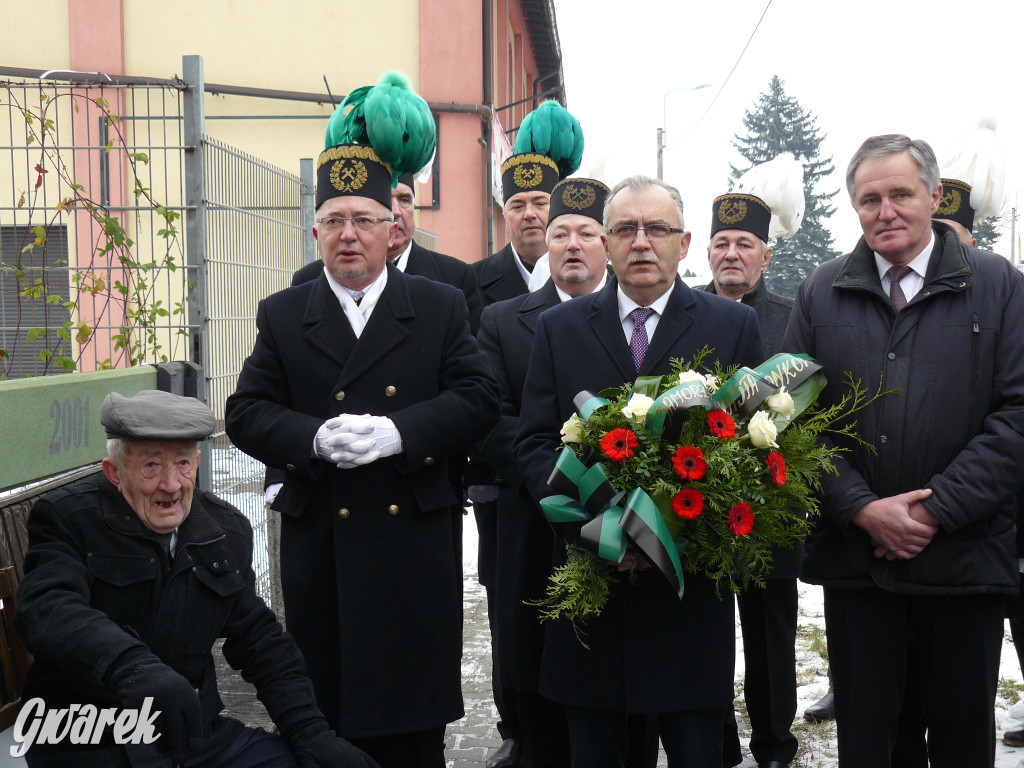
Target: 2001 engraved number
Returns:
[[70, 424]]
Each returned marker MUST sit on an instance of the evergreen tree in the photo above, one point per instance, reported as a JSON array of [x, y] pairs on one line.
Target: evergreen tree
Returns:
[[779, 124], [987, 232]]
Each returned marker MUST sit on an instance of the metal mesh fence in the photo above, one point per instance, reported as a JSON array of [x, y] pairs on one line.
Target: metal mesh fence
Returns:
[[253, 235], [92, 274], [96, 267]]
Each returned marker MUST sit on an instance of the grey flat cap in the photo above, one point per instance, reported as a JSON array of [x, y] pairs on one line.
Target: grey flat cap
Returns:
[[156, 415]]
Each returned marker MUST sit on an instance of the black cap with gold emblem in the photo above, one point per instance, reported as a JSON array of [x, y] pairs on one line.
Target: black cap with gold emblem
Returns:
[[740, 211], [584, 197], [955, 203], [528, 172], [352, 169]]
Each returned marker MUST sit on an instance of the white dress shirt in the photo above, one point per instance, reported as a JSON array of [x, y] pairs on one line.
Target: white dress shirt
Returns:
[[914, 280], [627, 305]]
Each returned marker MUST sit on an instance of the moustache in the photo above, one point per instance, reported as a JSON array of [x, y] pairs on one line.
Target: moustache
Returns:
[[642, 257]]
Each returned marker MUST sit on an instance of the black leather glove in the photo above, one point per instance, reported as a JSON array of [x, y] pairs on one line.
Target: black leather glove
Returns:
[[325, 750], [180, 717]]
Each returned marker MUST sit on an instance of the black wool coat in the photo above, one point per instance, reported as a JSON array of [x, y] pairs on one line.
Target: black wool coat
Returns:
[[499, 279], [370, 579], [524, 538], [498, 276], [649, 651]]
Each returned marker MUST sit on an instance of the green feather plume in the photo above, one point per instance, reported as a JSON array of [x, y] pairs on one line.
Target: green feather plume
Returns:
[[347, 125], [392, 118], [552, 131]]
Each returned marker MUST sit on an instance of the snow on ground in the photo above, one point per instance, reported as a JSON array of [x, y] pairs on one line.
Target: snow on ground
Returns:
[[818, 741], [239, 480]]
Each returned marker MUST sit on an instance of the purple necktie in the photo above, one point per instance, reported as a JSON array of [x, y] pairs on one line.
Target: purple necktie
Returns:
[[638, 341], [899, 299]]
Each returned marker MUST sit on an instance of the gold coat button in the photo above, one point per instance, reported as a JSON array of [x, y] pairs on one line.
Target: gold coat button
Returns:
[[429, 461], [390, 391], [340, 396], [290, 467], [343, 513], [393, 509]]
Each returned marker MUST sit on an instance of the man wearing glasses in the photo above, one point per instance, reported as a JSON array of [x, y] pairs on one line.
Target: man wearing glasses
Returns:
[[362, 386], [412, 258], [648, 651]]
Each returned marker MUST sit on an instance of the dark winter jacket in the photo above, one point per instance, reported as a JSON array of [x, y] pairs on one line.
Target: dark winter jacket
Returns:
[[99, 584], [956, 353]]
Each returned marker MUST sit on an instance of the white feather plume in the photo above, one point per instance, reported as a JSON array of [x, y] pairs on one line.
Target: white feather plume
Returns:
[[780, 184], [980, 163]]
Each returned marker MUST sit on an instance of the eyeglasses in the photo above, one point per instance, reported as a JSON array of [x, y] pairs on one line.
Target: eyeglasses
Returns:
[[652, 231], [362, 223]]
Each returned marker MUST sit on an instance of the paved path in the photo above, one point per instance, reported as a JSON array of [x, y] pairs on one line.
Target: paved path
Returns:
[[468, 741]]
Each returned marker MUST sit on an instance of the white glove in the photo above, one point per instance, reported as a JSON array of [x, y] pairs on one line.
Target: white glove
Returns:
[[346, 441], [271, 493], [385, 433]]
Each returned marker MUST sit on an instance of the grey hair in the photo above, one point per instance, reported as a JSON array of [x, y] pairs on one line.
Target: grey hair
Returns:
[[638, 184], [117, 449], [889, 144]]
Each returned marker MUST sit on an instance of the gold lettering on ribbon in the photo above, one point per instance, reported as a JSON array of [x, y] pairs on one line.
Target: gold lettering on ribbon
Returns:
[[747, 386], [786, 370]]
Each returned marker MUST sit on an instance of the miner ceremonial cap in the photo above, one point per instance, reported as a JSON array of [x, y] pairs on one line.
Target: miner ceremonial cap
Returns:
[[955, 203], [375, 137], [741, 211], [768, 200], [580, 196], [156, 415]]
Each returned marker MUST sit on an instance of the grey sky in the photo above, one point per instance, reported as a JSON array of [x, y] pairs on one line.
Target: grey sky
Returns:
[[929, 70]]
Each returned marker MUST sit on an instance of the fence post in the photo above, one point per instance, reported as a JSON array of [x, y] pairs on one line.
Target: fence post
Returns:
[[307, 209], [194, 129]]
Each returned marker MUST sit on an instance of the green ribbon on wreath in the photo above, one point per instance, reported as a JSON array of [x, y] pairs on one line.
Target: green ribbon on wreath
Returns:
[[747, 389], [665, 418], [586, 509], [643, 523]]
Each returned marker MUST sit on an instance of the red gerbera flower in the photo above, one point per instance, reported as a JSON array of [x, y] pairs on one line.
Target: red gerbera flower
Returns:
[[741, 519], [721, 424], [688, 503], [619, 444], [777, 466], [689, 463]]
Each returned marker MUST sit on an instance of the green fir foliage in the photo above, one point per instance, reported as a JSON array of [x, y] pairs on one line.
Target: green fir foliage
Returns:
[[776, 124]]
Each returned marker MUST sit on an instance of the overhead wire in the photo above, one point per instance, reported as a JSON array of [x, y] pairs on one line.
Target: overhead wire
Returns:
[[727, 77]]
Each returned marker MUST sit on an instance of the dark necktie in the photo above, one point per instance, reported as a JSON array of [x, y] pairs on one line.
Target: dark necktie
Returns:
[[899, 299], [358, 296], [638, 341]]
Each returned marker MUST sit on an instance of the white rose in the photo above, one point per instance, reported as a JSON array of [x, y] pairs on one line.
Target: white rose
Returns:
[[637, 407], [711, 383], [762, 431], [572, 430], [782, 403], [691, 375]]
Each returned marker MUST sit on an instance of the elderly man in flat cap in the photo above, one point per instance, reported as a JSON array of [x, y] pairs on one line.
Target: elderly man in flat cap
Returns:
[[131, 576]]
